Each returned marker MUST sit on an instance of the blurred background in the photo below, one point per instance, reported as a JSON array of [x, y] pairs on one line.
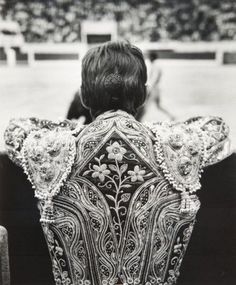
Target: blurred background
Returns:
[[42, 44]]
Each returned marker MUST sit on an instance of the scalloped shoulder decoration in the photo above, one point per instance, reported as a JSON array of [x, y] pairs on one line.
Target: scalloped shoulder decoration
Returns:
[[15, 134], [179, 151], [18, 130], [48, 156], [216, 137]]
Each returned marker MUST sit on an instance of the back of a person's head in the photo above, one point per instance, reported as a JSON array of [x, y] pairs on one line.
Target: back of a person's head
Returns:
[[113, 77]]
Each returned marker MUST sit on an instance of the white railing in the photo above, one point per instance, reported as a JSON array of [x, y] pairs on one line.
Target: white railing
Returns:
[[219, 48], [42, 48]]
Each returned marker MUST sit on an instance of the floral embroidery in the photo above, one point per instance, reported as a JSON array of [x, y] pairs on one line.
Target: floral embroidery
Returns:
[[117, 179], [100, 171], [137, 174], [116, 151]]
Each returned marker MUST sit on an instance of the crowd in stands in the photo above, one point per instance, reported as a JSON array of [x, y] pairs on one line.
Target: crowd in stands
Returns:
[[187, 20]]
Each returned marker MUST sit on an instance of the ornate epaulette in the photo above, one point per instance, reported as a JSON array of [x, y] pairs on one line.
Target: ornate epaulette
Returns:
[[179, 152], [47, 157], [18, 130], [183, 149], [15, 134], [215, 135]]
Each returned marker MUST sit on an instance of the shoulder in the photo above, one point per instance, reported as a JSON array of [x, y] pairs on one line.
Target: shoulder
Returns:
[[178, 151], [15, 134], [44, 149], [183, 149], [214, 133], [47, 158], [19, 129], [211, 134]]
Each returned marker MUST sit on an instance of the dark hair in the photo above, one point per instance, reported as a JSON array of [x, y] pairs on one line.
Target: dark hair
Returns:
[[113, 77]]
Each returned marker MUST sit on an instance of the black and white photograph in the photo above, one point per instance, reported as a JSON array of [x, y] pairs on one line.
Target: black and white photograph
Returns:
[[117, 142]]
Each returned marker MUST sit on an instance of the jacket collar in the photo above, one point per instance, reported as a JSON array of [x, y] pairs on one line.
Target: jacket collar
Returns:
[[112, 113]]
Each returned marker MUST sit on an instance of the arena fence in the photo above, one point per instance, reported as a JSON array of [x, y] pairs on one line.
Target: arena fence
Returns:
[[32, 53]]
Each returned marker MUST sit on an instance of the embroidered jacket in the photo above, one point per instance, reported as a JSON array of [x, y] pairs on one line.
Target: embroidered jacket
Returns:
[[117, 198]]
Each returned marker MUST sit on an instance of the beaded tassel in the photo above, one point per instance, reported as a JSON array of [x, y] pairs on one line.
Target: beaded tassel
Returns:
[[48, 213], [187, 206]]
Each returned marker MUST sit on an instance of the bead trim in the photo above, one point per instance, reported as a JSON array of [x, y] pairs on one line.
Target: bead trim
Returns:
[[53, 189], [159, 152], [188, 205]]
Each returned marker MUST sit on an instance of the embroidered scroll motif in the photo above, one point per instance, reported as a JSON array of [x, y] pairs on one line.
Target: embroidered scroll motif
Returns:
[[59, 264]]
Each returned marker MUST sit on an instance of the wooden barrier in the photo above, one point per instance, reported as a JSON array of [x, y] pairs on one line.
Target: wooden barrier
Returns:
[[4, 258]]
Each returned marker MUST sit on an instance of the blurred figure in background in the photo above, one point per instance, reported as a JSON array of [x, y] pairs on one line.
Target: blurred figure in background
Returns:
[[154, 73], [154, 79], [154, 76]]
